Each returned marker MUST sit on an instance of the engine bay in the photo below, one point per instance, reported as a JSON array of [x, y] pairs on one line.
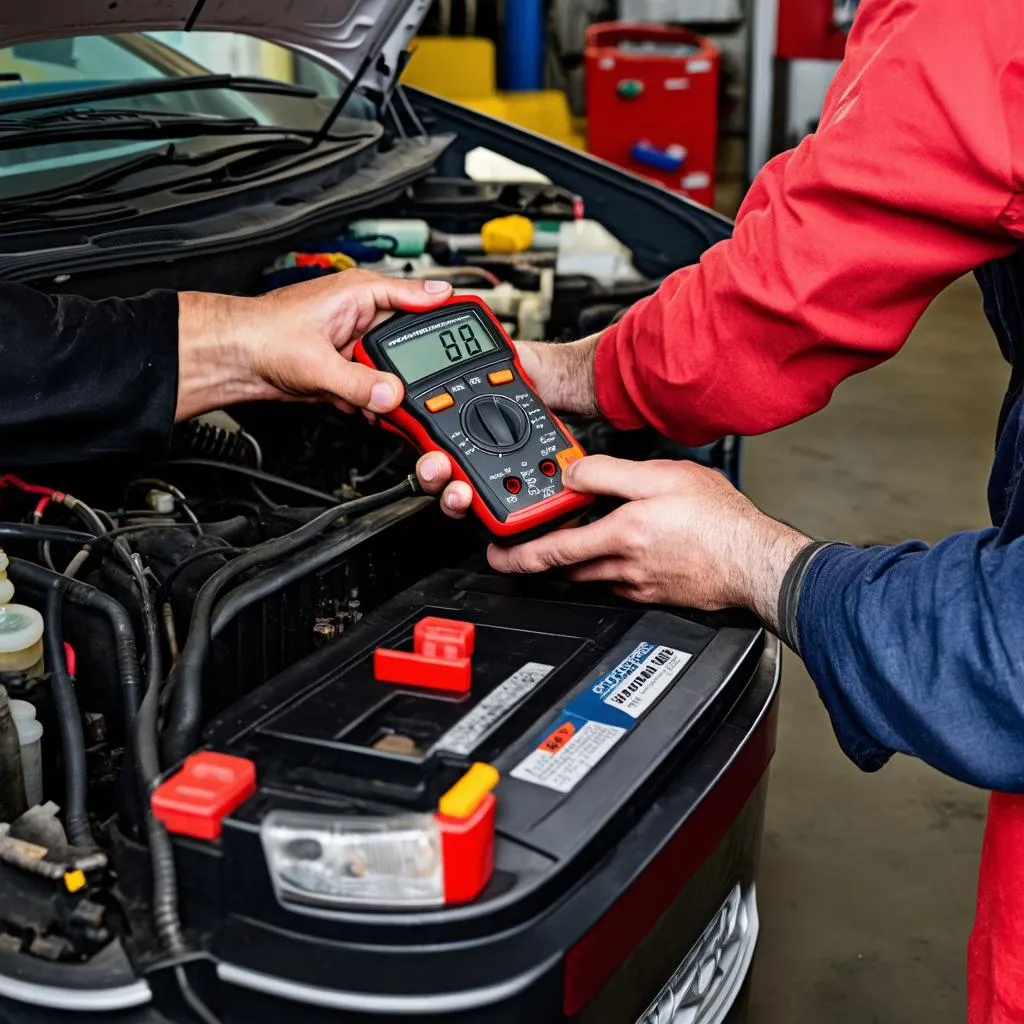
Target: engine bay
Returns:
[[169, 591]]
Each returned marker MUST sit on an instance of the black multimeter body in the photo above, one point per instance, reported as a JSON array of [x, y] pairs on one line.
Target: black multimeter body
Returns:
[[466, 395]]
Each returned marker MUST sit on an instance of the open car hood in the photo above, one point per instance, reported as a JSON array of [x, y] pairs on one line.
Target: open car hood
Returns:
[[343, 35]]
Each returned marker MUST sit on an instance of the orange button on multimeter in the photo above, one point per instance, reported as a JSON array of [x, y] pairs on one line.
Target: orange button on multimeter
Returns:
[[502, 440], [497, 377], [438, 403]]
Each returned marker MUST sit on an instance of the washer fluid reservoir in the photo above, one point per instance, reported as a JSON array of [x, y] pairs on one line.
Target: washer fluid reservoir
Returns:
[[21, 630]]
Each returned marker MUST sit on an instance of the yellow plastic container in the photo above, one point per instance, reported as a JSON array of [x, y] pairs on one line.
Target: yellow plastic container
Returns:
[[455, 68], [463, 70]]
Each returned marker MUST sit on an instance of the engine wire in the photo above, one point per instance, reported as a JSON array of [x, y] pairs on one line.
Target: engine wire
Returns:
[[195, 1003], [270, 479], [185, 719]]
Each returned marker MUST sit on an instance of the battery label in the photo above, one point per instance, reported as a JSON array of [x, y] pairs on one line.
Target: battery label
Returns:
[[645, 683], [568, 753], [465, 736], [598, 718]]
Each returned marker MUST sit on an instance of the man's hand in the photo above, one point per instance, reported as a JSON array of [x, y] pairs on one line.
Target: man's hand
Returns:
[[687, 537], [564, 377], [294, 343]]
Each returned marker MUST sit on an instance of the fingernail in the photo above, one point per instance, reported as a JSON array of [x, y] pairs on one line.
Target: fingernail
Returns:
[[453, 502], [382, 397], [428, 470], [436, 287]]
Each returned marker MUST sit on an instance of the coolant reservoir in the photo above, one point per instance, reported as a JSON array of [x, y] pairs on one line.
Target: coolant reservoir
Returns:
[[21, 630]]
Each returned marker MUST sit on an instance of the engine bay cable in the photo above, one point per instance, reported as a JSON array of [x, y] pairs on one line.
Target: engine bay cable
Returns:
[[186, 709], [30, 533], [259, 475], [69, 720], [76, 592], [276, 578]]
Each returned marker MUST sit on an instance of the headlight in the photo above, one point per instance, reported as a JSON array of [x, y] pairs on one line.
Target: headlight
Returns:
[[420, 860], [391, 861]]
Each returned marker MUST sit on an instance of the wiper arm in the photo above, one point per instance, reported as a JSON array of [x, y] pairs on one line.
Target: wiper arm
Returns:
[[91, 115], [95, 188], [15, 136], [154, 87], [108, 185]]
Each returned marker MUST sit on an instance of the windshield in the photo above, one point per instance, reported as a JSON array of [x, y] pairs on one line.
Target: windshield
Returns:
[[50, 69]]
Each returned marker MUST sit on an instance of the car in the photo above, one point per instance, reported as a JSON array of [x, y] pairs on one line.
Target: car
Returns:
[[275, 829]]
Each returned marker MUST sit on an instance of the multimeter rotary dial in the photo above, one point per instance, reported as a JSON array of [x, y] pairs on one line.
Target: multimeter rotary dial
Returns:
[[495, 423]]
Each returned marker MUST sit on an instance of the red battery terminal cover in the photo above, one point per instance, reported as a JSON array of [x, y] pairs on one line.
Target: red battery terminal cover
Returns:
[[442, 658], [444, 638], [465, 817], [196, 799]]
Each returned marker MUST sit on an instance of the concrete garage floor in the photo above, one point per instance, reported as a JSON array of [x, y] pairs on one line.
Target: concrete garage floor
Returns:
[[867, 882]]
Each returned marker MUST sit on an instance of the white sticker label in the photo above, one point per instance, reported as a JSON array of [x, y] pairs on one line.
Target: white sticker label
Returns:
[[698, 179], [699, 66], [568, 755], [642, 687], [463, 737]]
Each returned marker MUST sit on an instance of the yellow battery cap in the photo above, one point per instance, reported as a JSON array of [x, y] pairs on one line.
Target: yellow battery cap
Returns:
[[74, 880], [464, 797]]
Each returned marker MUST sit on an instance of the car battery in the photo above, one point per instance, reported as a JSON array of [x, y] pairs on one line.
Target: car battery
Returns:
[[618, 848], [652, 104]]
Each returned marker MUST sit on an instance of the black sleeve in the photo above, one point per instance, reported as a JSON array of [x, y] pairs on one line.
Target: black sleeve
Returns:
[[81, 378]]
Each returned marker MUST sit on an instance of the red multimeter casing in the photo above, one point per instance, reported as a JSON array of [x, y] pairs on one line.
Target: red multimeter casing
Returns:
[[466, 395]]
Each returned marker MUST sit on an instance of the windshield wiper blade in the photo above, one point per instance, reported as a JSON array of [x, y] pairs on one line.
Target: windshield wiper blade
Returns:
[[89, 115], [157, 86], [100, 187], [17, 136]]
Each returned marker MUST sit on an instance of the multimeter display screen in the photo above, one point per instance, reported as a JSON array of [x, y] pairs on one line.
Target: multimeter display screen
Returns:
[[442, 346]]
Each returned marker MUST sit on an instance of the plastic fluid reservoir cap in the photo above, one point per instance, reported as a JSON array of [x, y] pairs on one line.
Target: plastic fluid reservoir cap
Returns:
[[21, 627], [507, 234]]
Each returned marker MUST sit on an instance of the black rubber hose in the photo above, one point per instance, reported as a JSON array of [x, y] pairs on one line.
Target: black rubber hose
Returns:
[[69, 718], [270, 479], [270, 581], [30, 533], [120, 625], [166, 920], [186, 711]]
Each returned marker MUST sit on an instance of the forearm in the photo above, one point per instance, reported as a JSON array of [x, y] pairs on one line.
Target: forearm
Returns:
[[565, 371], [215, 368]]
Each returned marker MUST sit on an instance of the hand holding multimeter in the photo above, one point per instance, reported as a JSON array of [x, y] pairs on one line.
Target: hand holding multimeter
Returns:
[[466, 395]]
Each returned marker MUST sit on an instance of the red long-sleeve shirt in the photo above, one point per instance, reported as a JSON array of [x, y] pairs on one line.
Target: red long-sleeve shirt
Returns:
[[913, 178]]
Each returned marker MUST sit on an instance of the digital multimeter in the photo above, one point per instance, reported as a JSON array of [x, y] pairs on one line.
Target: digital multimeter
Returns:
[[466, 395]]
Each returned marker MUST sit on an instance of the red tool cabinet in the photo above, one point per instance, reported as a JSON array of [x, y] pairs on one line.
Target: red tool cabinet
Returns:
[[652, 104], [807, 31]]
